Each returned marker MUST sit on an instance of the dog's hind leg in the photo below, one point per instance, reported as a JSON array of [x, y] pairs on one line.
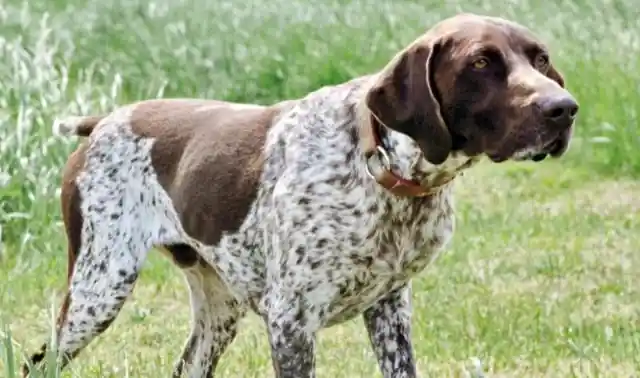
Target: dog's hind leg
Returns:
[[215, 316], [124, 212], [70, 202], [105, 271]]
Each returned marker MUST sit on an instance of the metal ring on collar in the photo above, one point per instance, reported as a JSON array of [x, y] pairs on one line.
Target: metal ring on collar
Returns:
[[384, 158]]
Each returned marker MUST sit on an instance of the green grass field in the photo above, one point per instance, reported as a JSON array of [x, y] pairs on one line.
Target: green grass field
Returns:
[[540, 281]]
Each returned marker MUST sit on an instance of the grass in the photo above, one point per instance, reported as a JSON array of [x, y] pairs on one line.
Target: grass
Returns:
[[541, 279]]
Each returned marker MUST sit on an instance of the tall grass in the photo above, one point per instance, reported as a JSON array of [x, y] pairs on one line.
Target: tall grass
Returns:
[[65, 57]]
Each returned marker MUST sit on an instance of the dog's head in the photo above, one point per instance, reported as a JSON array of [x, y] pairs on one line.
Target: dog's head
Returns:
[[480, 85]]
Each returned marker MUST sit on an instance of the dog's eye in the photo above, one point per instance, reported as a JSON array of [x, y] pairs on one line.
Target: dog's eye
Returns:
[[542, 61], [480, 63]]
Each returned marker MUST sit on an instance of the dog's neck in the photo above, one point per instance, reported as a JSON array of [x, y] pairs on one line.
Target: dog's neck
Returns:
[[409, 161], [405, 157]]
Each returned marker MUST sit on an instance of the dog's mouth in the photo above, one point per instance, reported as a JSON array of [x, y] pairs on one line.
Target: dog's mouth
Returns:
[[552, 149], [555, 148]]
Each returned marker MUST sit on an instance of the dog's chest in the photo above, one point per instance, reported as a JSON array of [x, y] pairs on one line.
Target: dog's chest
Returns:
[[406, 237]]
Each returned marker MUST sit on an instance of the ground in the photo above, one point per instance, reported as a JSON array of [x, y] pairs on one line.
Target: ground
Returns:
[[539, 281]]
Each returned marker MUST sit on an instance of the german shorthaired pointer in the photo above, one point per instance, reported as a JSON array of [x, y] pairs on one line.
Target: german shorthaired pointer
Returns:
[[309, 212]]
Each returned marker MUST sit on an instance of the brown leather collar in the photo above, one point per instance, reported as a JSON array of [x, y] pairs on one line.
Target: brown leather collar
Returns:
[[373, 148]]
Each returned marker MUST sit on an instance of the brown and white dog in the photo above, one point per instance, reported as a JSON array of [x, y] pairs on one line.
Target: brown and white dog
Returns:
[[311, 211]]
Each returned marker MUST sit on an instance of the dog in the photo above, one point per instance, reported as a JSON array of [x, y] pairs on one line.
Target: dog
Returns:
[[309, 212]]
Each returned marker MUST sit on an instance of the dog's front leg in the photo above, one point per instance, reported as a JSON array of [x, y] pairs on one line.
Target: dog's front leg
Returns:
[[388, 324], [291, 333]]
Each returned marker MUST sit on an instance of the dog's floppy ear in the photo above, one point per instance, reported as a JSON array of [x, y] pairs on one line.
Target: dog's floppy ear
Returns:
[[404, 99], [554, 75]]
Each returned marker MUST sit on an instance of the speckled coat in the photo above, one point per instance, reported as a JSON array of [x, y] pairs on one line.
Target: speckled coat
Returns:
[[271, 208]]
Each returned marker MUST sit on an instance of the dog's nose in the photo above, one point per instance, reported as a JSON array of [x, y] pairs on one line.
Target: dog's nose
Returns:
[[559, 110]]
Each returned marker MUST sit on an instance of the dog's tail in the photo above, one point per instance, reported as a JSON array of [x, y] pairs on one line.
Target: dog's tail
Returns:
[[76, 125]]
